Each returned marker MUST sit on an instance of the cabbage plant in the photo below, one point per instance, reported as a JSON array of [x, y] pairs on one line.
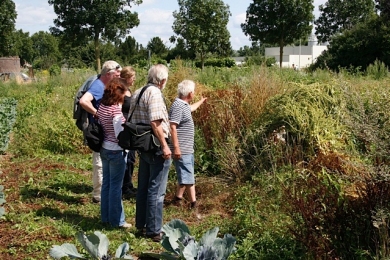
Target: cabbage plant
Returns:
[[179, 244], [95, 244]]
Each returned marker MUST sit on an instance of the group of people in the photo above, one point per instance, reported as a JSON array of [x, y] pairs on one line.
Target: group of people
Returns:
[[110, 101]]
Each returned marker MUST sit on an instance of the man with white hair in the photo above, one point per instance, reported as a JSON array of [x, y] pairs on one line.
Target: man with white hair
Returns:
[[182, 135], [90, 102], [153, 167]]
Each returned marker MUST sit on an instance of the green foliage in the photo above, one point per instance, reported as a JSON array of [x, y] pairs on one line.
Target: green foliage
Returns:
[[353, 49], [260, 60], [312, 118], [222, 62], [45, 122], [7, 120], [2, 201], [55, 70], [45, 50], [179, 244], [84, 21], [203, 26], [95, 244], [7, 24], [22, 46], [336, 16], [378, 70], [278, 22], [157, 47]]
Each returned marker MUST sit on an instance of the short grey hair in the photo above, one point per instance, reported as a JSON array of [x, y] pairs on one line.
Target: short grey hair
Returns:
[[157, 73], [110, 66], [185, 87]]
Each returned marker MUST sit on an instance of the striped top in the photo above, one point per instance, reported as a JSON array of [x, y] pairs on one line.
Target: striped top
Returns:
[[180, 113], [108, 116]]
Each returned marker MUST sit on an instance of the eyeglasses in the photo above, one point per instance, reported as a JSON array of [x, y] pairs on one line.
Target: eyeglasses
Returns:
[[118, 67]]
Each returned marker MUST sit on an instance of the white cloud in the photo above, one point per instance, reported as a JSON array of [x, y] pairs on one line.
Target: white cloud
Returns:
[[34, 15], [153, 23], [239, 19]]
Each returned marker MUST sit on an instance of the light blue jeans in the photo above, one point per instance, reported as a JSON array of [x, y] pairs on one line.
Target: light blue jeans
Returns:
[[111, 206], [152, 185]]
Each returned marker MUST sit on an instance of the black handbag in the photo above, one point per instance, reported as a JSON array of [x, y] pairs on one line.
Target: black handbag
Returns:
[[94, 136], [138, 136]]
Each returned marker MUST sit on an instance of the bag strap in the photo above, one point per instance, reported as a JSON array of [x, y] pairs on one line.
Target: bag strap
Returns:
[[139, 97]]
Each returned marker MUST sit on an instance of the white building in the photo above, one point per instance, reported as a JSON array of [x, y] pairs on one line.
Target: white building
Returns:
[[300, 56]]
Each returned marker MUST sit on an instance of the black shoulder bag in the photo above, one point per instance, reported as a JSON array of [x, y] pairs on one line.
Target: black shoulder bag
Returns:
[[138, 136], [94, 136]]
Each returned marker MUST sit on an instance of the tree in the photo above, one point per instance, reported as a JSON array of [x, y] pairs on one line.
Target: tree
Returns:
[[255, 49], [180, 51], [7, 26], [46, 51], [84, 20], [354, 48], [22, 46], [339, 15], [203, 26], [157, 47], [278, 21]]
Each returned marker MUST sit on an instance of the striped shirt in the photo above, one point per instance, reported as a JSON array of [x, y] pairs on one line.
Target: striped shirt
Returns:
[[106, 115], [151, 107], [180, 114]]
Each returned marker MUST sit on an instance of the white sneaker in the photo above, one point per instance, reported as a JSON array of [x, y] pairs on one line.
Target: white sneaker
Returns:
[[126, 225]]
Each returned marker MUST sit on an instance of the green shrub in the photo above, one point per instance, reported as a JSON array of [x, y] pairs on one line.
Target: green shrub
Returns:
[[217, 62], [260, 60], [378, 70], [55, 70]]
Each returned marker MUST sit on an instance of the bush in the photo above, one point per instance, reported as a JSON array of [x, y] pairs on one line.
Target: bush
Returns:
[[215, 62], [55, 70], [378, 70]]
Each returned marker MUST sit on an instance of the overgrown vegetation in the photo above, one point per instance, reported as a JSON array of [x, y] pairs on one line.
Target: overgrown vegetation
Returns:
[[293, 165], [7, 120]]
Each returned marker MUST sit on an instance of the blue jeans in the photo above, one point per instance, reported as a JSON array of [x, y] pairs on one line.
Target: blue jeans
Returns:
[[152, 185], [111, 206]]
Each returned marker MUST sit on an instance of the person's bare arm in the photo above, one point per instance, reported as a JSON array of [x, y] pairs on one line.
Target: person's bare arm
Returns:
[[175, 141], [159, 133], [197, 104], [86, 103]]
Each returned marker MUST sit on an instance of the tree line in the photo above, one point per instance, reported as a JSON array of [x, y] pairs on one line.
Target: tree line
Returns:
[[86, 32]]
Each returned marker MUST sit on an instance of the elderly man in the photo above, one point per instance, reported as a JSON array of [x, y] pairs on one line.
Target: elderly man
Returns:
[[90, 102], [153, 167]]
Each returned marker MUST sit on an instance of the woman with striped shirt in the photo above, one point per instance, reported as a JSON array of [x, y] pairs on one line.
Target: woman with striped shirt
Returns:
[[111, 118]]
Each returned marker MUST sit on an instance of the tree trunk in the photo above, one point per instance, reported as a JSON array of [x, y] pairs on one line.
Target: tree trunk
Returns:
[[281, 54], [97, 53], [202, 59]]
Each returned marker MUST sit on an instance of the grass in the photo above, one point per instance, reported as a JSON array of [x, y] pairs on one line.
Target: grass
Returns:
[[279, 199]]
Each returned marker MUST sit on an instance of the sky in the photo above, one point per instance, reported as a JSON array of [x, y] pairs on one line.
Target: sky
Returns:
[[155, 19]]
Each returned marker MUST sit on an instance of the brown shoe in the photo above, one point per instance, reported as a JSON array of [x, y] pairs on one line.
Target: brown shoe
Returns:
[[177, 201], [156, 237], [193, 205]]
